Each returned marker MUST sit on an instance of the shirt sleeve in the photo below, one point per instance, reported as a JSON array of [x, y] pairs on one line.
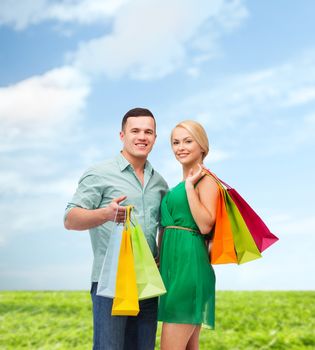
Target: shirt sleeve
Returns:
[[89, 193], [165, 187]]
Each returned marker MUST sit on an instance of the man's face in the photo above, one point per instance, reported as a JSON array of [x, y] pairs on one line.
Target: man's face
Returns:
[[138, 137]]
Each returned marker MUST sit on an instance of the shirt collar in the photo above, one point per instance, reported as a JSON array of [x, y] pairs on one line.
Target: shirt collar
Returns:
[[148, 167], [123, 164]]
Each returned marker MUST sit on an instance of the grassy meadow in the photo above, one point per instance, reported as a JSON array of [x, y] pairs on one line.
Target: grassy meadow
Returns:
[[244, 320]]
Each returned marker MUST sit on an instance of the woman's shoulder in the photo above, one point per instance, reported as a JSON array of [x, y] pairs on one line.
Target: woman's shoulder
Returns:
[[207, 183]]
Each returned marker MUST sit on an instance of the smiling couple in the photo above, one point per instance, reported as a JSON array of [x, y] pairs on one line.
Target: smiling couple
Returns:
[[185, 216]]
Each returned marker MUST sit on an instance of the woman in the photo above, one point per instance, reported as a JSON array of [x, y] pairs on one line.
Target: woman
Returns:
[[188, 215]]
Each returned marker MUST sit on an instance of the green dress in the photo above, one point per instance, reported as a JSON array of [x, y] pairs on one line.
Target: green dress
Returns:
[[184, 265]]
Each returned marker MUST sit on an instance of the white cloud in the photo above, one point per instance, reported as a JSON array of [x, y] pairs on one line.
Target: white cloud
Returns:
[[151, 39], [23, 183], [21, 14], [310, 119], [44, 101], [194, 72], [232, 14], [254, 97], [286, 225], [85, 11], [301, 96], [218, 155], [38, 119], [42, 109], [33, 205]]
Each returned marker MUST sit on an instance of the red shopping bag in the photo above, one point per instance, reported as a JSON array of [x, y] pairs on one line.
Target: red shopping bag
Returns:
[[248, 230], [259, 231]]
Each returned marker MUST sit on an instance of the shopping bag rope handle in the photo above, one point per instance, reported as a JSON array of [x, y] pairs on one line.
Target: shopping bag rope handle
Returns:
[[115, 219], [133, 216], [128, 210], [115, 222], [208, 172], [128, 215]]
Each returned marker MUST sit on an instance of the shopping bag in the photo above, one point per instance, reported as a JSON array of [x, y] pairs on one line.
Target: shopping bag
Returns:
[[107, 279], [126, 295], [259, 231], [149, 281], [249, 240], [222, 248], [244, 243]]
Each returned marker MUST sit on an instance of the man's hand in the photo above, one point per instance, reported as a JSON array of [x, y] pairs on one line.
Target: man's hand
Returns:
[[116, 212]]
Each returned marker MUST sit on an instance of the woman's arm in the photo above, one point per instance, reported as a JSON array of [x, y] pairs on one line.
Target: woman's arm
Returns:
[[202, 201]]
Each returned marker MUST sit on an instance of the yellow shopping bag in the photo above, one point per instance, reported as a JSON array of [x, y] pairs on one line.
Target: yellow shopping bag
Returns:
[[126, 294]]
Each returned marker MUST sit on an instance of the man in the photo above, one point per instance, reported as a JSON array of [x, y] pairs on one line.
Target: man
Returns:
[[128, 178]]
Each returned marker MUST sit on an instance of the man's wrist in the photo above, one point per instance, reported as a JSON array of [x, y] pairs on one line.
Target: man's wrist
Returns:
[[104, 214]]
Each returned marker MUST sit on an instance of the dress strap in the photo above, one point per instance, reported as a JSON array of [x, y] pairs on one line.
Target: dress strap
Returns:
[[183, 228]]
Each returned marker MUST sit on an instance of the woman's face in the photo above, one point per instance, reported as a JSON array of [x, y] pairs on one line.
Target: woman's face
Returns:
[[187, 151]]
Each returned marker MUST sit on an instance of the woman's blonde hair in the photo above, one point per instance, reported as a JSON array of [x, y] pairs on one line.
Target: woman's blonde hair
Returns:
[[197, 132]]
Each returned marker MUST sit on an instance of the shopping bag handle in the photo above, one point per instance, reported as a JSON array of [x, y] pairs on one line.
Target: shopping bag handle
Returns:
[[129, 210], [128, 214], [115, 221], [133, 218], [115, 218], [219, 181]]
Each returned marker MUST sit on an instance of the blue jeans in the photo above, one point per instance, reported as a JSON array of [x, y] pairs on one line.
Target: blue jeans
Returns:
[[123, 332]]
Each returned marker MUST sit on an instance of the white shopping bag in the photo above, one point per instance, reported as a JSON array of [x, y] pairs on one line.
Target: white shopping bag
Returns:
[[107, 280]]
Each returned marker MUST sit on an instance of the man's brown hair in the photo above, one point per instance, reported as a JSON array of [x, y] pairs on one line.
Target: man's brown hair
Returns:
[[136, 112]]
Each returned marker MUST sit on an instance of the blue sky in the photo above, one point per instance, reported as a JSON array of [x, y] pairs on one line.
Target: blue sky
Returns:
[[69, 70]]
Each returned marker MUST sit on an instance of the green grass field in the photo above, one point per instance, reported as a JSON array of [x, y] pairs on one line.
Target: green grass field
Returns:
[[244, 320]]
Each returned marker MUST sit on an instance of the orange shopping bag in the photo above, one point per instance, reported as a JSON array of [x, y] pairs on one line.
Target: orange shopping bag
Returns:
[[222, 249]]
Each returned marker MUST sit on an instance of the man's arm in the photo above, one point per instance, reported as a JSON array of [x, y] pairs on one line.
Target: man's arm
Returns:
[[83, 219]]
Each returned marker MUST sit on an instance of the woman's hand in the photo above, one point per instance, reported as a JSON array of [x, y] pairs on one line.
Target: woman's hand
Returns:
[[192, 178]]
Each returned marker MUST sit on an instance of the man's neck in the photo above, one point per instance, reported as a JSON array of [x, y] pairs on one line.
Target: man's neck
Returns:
[[137, 163]]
